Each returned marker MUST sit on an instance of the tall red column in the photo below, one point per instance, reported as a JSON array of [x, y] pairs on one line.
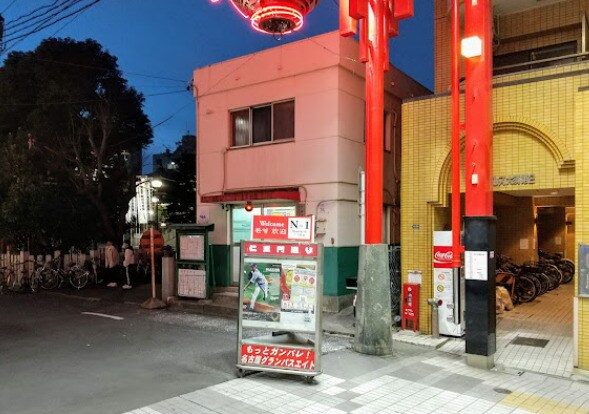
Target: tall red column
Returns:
[[479, 222], [374, 120], [478, 74], [455, 88]]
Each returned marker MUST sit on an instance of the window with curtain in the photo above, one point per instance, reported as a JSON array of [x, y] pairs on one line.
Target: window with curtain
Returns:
[[262, 123]]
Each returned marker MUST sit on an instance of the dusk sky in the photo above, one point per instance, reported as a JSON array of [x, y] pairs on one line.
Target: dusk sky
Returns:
[[160, 42]]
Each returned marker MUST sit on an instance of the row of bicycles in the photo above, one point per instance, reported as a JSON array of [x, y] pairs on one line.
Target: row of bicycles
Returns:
[[528, 281], [47, 276]]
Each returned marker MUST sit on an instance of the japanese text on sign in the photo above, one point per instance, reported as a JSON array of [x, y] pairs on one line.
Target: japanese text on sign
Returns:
[[300, 229], [274, 356], [278, 249]]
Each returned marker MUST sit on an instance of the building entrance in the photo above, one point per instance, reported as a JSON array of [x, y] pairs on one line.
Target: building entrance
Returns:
[[535, 236], [241, 221]]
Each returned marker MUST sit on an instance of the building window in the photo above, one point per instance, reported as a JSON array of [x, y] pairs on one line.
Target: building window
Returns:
[[528, 59], [389, 130], [262, 123]]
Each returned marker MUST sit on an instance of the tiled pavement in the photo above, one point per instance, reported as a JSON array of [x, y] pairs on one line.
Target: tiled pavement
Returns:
[[550, 318], [430, 382], [422, 381]]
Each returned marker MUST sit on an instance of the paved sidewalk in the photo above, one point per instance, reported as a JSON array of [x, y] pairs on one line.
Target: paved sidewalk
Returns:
[[414, 380]]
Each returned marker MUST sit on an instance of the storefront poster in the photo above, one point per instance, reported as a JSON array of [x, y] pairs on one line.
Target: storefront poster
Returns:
[[292, 298], [261, 294]]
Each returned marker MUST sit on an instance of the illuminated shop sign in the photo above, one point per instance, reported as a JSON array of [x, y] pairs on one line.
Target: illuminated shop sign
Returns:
[[520, 179]]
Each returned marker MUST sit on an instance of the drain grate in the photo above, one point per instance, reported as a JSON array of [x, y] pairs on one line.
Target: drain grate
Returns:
[[524, 340]]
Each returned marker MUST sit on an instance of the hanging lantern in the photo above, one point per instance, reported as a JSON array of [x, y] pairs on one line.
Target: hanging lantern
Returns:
[[276, 17]]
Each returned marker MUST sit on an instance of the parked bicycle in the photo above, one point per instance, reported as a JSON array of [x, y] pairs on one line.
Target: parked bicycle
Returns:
[[522, 282], [75, 275], [9, 279], [565, 266]]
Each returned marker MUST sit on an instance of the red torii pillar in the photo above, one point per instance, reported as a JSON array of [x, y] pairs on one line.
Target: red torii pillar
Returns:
[[379, 21], [479, 222]]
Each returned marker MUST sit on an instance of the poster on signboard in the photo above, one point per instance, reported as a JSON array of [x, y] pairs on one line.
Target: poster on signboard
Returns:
[[261, 292], [290, 302], [192, 247]]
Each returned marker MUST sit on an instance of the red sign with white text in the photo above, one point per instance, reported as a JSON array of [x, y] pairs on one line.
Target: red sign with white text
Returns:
[[443, 257], [301, 229], [280, 249], [278, 356]]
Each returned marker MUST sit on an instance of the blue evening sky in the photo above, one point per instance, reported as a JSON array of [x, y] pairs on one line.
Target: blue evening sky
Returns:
[[156, 39]]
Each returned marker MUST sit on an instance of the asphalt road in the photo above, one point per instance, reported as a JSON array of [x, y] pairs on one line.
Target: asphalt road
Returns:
[[56, 359], [96, 351]]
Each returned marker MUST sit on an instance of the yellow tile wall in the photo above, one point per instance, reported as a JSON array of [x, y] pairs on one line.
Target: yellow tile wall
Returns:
[[530, 29], [541, 128], [581, 124]]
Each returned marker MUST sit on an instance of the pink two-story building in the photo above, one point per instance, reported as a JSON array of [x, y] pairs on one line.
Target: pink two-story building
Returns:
[[284, 129]]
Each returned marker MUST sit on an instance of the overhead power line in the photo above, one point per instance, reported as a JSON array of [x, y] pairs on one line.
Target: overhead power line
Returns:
[[87, 101], [8, 7], [56, 12], [46, 22]]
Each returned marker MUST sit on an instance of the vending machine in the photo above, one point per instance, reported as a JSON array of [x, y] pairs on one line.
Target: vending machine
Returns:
[[448, 287]]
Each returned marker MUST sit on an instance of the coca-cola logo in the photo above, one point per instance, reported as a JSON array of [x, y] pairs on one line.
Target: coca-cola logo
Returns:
[[443, 256]]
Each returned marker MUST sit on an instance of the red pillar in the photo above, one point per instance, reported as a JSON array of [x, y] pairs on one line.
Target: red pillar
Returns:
[[455, 87], [374, 120], [478, 73], [479, 222]]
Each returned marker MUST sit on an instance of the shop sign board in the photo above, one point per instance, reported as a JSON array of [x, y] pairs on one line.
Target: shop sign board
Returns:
[[281, 287], [279, 293], [583, 282], [278, 357], [288, 228]]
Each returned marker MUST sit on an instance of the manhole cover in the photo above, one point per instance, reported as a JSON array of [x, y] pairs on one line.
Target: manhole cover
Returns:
[[524, 340], [502, 390]]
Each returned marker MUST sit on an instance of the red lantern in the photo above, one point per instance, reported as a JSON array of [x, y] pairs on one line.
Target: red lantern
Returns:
[[249, 206], [276, 17]]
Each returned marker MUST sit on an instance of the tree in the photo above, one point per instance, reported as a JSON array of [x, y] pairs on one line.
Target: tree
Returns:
[[67, 103]]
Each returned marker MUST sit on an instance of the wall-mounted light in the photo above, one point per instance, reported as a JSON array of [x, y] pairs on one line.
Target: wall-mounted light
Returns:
[[471, 47], [249, 206]]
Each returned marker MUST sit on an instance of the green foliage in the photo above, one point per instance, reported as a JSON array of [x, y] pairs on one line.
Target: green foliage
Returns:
[[71, 134]]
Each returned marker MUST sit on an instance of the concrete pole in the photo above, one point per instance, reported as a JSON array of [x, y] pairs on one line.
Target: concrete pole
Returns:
[[373, 315]]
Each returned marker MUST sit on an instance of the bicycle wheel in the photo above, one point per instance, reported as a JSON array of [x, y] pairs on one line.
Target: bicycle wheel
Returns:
[[9, 279], [555, 274], [526, 289], [567, 267], [79, 277], [545, 282], [34, 282], [48, 279]]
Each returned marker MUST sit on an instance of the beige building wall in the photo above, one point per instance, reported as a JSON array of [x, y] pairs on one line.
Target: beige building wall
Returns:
[[541, 120], [529, 29]]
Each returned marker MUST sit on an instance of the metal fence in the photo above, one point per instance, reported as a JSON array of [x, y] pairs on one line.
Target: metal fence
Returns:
[[395, 278]]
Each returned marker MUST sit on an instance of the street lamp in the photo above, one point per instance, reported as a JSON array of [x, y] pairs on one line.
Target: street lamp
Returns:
[[155, 200], [145, 188]]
